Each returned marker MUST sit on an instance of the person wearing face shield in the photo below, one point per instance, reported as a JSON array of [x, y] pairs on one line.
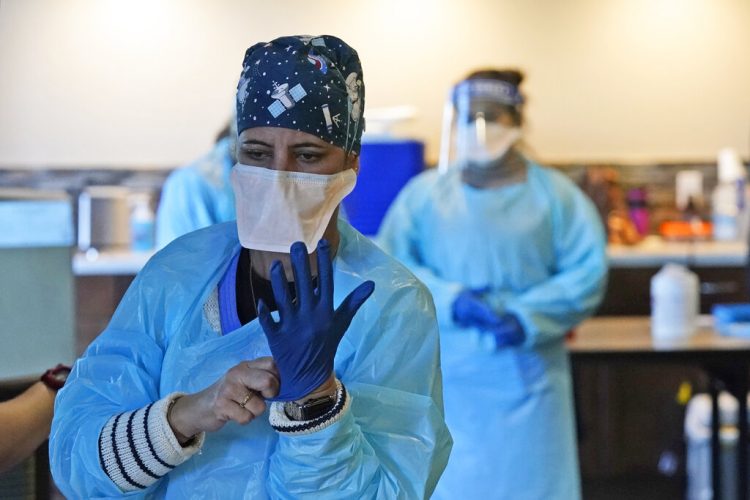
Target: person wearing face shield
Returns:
[[199, 194], [514, 255], [283, 355]]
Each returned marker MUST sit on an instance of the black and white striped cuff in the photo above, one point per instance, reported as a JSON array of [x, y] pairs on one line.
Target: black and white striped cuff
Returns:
[[284, 425], [137, 448]]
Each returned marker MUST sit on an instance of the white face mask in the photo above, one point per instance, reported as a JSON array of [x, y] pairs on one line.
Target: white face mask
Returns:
[[487, 142], [275, 208]]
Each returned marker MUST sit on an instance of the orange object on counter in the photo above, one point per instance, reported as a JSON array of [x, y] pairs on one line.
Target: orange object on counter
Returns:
[[679, 230], [621, 230]]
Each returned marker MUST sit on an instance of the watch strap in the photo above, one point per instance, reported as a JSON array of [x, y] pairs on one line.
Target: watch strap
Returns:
[[55, 378]]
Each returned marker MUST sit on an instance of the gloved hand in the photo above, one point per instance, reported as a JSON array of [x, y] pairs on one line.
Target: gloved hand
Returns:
[[507, 331], [470, 310], [305, 339]]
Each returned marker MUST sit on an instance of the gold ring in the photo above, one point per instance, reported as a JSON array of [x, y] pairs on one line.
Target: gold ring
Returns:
[[244, 401]]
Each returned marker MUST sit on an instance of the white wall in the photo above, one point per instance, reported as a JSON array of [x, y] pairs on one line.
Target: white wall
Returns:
[[149, 82]]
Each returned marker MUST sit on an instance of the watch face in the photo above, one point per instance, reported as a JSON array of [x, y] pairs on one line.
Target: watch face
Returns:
[[293, 411], [310, 409]]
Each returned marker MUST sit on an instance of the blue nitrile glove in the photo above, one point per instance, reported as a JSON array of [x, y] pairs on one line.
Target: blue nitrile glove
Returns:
[[304, 341], [470, 310], [507, 331]]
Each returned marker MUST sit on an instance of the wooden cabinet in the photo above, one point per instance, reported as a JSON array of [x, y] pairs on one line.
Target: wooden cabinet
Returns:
[[628, 417], [97, 297]]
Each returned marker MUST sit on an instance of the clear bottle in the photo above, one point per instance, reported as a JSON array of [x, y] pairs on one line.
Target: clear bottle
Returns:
[[725, 214], [142, 220]]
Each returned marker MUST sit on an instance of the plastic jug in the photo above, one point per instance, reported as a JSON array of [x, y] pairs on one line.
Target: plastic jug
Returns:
[[674, 303]]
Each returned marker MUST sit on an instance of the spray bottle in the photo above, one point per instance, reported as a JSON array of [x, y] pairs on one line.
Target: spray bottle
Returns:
[[729, 198]]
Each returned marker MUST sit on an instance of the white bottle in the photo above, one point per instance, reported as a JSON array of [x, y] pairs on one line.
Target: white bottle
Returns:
[[688, 186], [142, 224], [674, 303], [728, 200]]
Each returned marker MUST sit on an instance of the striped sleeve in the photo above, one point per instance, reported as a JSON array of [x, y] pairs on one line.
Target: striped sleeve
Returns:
[[137, 448], [283, 424]]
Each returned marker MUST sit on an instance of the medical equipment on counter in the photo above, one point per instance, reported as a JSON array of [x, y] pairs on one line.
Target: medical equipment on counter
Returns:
[[674, 303]]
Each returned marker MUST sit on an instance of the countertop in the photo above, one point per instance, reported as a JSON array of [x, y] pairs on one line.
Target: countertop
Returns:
[[109, 262], [631, 335], [651, 252]]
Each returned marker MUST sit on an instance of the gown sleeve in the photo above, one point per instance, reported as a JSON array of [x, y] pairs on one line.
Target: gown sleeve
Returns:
[[399, 236], [551, 308], [118, 373]]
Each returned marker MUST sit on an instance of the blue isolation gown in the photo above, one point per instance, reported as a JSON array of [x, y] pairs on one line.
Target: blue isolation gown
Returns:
[[197, 195], [540, 248], [392, 443]]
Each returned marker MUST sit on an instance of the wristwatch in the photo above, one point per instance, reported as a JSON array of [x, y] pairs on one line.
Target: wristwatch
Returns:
[[55, 378], [310, 409]]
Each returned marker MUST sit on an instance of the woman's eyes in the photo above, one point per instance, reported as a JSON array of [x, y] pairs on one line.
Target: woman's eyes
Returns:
[[309, 157], [257, 154], [301, 157]]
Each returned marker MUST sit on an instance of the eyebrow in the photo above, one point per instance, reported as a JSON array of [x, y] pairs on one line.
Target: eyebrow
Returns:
[[255, 141], [249, 142]]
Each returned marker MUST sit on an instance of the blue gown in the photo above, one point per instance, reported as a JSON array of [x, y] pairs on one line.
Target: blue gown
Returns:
[[393, 443], [540, 247], [197, 195]]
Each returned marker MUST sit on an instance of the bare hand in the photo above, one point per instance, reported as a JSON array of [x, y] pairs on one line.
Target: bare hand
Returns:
[[238, 396]]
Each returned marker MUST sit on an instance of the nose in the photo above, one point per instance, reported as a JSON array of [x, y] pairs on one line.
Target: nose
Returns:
[[282, 161]]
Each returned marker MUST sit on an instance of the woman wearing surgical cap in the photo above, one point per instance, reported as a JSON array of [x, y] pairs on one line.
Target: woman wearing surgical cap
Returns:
[[514, 255], [281, 356]]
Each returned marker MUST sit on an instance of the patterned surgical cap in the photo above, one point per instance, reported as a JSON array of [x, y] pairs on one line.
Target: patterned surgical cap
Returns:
[[310, 84]]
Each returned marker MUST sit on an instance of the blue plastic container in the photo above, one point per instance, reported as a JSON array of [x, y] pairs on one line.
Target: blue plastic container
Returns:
[[732, 319], [385, 168]]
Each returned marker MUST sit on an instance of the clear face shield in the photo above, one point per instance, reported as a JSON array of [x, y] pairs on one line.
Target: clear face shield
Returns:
[[477, 126]]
